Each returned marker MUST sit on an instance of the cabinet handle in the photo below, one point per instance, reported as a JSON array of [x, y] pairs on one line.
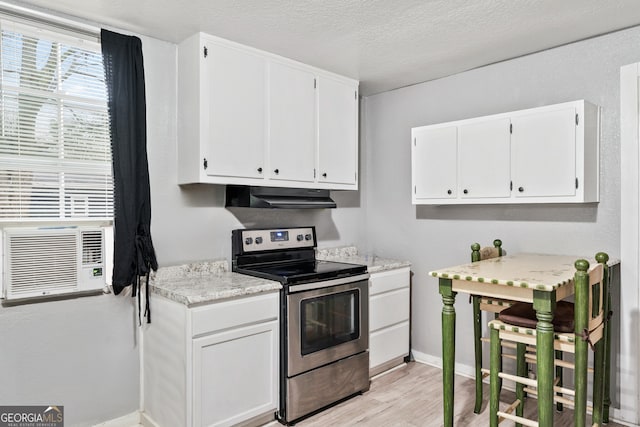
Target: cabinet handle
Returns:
[[276, 171], [465, 191], [324, 175], [521, 189], [259, 170], [449, 191]]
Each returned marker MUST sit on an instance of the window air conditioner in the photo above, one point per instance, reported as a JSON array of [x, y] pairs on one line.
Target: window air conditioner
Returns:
[[52, 261]]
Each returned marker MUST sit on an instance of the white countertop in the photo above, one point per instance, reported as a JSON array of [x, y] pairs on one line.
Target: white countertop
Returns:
[[349, 254], [205, 282]]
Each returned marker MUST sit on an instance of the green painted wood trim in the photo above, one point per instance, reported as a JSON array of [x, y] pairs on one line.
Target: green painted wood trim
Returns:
[[448, 348], [498, 245], [475, 252]]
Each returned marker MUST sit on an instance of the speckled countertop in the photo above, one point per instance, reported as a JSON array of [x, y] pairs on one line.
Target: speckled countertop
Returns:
[[204, 282], [350, 255]]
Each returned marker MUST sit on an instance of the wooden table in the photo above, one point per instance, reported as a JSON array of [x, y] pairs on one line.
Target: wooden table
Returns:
[[538, 278]]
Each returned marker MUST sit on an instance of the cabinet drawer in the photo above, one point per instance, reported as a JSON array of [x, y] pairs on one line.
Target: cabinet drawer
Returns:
[[389, 343], [388, 281], [388, 309], [234, 313]]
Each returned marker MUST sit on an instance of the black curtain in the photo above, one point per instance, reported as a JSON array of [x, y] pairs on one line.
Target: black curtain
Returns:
[[133, 254]]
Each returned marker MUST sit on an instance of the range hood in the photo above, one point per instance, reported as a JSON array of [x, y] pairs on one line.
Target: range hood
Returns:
[[277, 197]]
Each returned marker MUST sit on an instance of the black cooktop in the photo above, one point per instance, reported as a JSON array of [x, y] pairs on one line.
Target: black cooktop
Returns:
[[303, 272], [286, 255]]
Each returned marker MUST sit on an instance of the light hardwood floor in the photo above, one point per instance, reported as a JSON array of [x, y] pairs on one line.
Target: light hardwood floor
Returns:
[[411, 396]]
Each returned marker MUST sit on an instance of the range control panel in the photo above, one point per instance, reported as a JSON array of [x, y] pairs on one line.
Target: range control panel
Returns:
[[254, 240]]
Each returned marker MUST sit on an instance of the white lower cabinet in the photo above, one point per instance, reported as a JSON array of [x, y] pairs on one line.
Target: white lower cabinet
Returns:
[[213, 365], [389, 319]]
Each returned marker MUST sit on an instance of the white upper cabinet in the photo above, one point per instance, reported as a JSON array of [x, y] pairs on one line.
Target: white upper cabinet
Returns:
[[434, 158], [338, 128], [541, 155], [249, 117], [292, 123], [234, 112], [544, 139], [483, 159]]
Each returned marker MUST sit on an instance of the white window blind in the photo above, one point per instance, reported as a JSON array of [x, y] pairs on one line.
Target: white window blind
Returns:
[[55, 150]]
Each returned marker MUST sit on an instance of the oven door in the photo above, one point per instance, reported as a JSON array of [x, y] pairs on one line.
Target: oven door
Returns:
[[327, 321]]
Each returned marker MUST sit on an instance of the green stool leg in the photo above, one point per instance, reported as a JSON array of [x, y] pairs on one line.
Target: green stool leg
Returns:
[[582, 291], [494, 386], [559, 375], [448, 348], [607, 341], [598, 382], [477, 335], [521, 371]]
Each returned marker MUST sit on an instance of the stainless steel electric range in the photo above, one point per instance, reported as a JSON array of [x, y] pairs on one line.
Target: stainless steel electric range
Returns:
[[324, 317]]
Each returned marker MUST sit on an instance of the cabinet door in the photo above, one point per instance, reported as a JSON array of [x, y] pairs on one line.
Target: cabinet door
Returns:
[[234, 119], [292, 123], [434, 162], [483, 159], [543, 147], [337, 131], [235, 375]]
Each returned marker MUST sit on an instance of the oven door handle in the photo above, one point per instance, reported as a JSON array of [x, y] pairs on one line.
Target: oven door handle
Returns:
[[328, 283]]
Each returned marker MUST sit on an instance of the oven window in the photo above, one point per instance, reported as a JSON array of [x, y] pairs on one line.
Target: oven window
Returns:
[[329, 320]]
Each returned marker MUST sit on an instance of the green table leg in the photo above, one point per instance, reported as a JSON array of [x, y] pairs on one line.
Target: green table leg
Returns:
[[544, 303], [448, 347]]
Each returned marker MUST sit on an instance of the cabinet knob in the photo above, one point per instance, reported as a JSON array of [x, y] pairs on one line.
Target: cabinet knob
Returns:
[[449, 191], [259, 170], [465, 191], [276, 171], [521, 189], [324, 175]]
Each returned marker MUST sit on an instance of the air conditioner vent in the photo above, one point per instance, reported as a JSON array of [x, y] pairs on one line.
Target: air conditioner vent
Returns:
[[92, 247], [52, 261]]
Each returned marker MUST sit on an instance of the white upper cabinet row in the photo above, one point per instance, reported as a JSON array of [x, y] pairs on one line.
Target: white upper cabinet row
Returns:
[[540, 155], [254, 118]]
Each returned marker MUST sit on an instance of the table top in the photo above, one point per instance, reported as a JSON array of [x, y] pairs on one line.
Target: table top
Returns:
[[536, 271]]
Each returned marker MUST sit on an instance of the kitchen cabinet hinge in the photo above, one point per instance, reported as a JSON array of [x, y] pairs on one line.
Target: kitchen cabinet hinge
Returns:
[[315, 83], [205, 51], [576, 183], [511, 186], [414, 142], [510, 127], [205, 164], [414, 189], [356, 94], [314, 173], [577, 119]]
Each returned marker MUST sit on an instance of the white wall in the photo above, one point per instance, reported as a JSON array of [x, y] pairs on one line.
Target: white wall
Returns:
[[436, 236]]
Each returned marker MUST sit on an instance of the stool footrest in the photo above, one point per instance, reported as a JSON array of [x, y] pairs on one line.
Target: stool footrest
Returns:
[[517, 419]]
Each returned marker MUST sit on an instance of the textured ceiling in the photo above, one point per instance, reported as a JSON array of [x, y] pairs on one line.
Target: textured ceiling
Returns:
[[385, 44]]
